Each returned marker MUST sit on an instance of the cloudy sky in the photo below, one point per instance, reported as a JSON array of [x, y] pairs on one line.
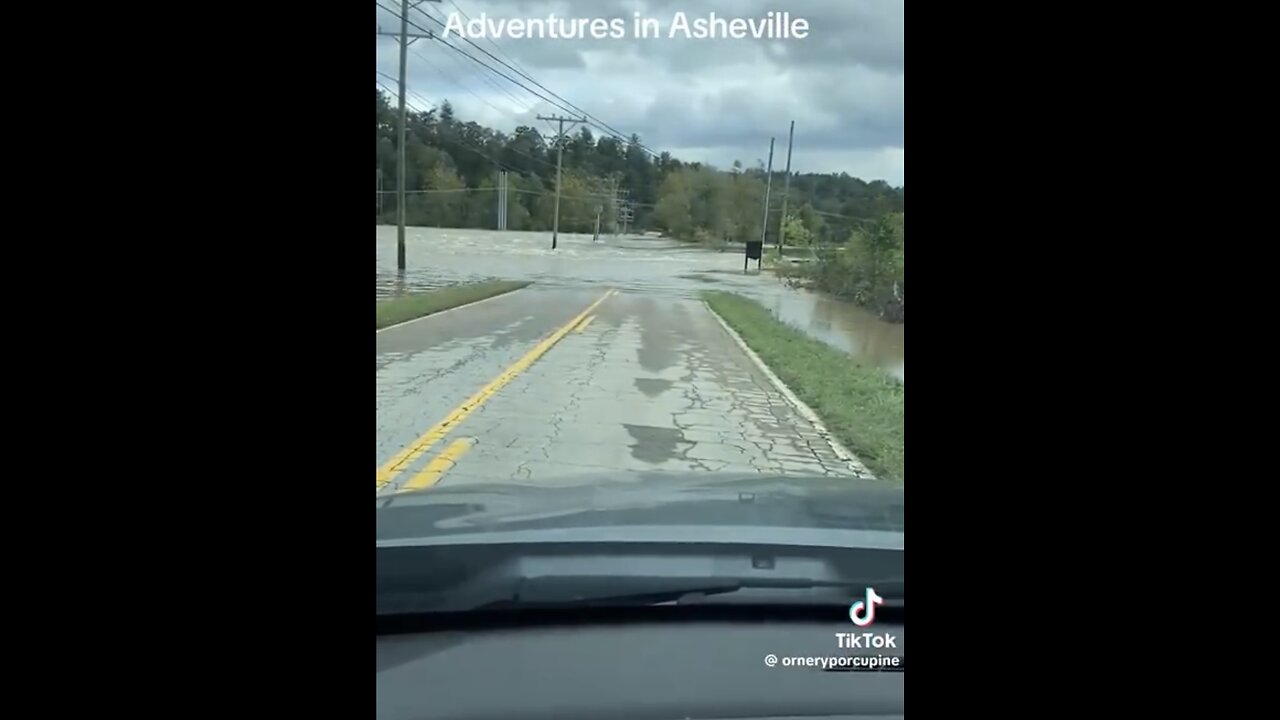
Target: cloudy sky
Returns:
[[713, 100]]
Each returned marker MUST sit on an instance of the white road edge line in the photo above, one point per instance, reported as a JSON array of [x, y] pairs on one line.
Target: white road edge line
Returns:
[[855, 465], [455, 307]]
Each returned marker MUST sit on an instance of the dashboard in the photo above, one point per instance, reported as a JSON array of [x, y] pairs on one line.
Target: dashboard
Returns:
[[643, 671]]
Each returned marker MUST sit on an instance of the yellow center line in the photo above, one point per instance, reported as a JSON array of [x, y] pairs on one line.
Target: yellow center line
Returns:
[[435, 433], [584, 324], [439, 465]]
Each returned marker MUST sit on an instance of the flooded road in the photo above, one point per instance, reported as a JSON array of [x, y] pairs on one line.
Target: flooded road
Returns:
[[438, 257]]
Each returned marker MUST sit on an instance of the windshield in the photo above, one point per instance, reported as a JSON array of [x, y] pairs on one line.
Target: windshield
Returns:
[[640, 294]]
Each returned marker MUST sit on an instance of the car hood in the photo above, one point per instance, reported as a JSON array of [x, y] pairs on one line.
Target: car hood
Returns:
[[646, 499]]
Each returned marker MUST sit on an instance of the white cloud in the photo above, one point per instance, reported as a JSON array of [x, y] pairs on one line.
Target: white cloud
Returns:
[[699, 100]]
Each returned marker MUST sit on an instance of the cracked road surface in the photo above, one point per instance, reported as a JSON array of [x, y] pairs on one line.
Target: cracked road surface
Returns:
[[619, 384]]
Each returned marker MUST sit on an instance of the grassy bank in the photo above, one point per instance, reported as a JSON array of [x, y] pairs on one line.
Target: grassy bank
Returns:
[[861, 405], [407, 307]]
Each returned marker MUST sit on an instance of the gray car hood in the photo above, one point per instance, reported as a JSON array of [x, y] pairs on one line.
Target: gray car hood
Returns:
[[712, 500]]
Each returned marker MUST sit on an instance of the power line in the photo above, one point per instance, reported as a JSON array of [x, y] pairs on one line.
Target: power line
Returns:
[[485, 77], [500, 61], [458, 82], [522, 105], [519, 103], [465, 144], [843, 217], [613, 132], [467, 55], [433, 106], [500, 74], [608, 129], [492, 42], [499, 49], [571, 107], [588, 196], [490, 81], [430, 192]]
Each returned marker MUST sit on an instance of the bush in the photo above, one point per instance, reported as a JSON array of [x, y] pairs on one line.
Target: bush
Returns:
[[870, 270], [704, 237]]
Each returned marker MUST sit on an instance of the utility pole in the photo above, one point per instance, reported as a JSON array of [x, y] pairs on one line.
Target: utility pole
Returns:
[[786, 188], [617, 211], [768, 185], [555, 228], [502, 199], [400, 164], [621, 207]]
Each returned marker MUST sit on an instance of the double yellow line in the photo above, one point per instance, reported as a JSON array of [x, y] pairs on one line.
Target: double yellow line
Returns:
[[584, 324], [437, 467]]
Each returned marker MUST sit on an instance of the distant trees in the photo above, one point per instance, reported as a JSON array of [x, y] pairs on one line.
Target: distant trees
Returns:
[[457, 162]]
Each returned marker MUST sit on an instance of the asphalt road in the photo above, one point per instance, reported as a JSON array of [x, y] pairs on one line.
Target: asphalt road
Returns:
[[569, 385]]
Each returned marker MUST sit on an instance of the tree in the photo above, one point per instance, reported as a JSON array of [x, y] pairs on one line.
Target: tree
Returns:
[[814, 223], [577, 205], [446, 200], [674, 211], [795, 232], [746, 202], [689, 200]]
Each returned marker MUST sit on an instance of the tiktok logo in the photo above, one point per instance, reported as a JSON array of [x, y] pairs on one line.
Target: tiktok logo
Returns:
[[863, 612]]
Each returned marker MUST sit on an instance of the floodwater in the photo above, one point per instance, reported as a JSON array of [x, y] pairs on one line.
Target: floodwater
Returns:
[[436, 257], [855, 330]]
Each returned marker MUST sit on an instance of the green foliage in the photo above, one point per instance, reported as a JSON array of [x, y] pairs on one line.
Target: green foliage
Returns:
[[795, 232], [871, 269], [674, 211]]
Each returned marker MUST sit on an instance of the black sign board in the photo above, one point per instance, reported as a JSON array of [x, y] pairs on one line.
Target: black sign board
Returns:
[[755, 251]]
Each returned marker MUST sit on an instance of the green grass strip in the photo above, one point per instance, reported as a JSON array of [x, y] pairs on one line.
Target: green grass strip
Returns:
[[415, 305]]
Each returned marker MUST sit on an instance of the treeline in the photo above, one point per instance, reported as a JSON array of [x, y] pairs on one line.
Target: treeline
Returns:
[[451, 174]]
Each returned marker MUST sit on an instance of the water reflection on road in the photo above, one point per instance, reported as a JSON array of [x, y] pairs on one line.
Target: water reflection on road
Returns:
[[437, 257]]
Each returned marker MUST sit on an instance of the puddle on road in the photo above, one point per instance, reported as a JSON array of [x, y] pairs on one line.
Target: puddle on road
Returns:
[[658, 341], [655, 445], [653, 387]]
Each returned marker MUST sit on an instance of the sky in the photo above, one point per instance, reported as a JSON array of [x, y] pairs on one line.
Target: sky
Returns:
[[713, 100]]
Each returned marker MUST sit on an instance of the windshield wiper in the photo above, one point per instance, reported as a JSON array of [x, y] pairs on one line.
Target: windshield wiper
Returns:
[[559, 592], [639, 593]]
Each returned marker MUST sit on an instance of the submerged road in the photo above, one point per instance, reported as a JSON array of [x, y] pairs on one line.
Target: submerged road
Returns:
[[564, 385]]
